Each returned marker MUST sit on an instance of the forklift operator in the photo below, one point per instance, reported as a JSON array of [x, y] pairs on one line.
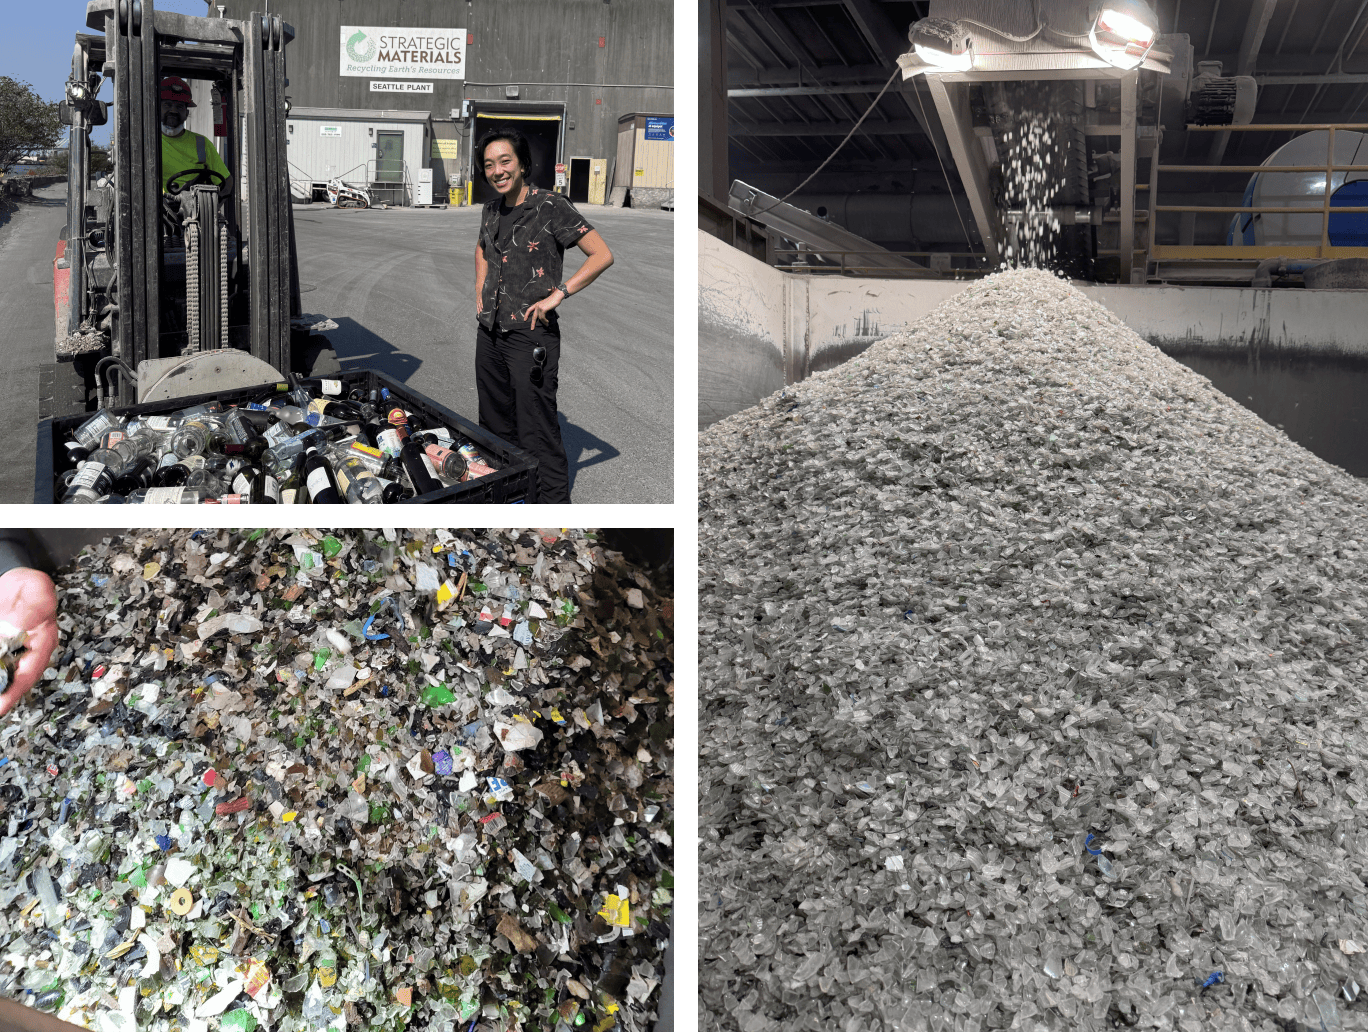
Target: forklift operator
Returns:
[[183, 153]]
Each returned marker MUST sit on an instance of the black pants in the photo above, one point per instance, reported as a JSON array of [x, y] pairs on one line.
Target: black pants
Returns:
[[513, 408]]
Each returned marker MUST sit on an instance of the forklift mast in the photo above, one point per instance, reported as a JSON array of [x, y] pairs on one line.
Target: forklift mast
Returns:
[[246, 58]]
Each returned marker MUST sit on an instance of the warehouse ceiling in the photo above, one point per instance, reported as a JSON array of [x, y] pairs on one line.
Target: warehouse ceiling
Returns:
[[800, 73]]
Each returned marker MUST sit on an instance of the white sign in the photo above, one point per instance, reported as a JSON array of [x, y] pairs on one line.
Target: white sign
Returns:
[[401, 87], [397, 53], [329, 130]]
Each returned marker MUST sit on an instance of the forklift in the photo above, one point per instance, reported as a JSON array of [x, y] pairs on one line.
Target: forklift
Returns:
[[167, 295]]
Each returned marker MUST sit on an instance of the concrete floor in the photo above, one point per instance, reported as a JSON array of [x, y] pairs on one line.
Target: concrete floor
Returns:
[[400, 284]]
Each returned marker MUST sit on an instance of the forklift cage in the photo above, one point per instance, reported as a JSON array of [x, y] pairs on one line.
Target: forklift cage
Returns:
[[139, 47]]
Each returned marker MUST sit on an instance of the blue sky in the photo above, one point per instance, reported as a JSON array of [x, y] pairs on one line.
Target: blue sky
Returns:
[[35, 46]]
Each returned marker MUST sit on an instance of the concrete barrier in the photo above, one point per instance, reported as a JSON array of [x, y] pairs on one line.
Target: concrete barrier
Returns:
[[759, 328], [23, 186]]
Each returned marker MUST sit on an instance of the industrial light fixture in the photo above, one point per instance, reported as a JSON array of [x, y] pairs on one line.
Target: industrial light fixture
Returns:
[[77, 90], [1123, 32], [943, 44]]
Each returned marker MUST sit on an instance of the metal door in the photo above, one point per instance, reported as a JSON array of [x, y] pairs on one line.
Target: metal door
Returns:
[[389, 157]]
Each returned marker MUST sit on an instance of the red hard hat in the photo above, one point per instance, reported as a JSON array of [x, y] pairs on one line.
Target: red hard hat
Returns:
[[173, 87]]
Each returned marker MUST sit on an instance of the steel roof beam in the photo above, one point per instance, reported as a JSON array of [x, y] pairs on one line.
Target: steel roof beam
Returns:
[[820, 91], [1338, 78], [896, 127], [952, 103], [1255, 28], [887, 40]]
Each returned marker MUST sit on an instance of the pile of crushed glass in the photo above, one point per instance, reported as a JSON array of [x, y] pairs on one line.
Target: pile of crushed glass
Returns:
[[1032, 678], [345, 779]]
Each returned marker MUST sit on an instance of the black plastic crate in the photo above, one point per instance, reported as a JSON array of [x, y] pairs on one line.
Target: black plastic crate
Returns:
[[513, 481]]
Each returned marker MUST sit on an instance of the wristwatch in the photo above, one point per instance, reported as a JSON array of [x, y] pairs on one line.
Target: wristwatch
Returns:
[[563, 289]]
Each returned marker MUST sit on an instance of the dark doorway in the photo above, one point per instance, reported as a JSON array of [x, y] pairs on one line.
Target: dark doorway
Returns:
[[543, 141], [579, 180]]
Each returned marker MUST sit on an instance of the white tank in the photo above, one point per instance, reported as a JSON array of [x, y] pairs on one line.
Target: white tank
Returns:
[[1306, 189]]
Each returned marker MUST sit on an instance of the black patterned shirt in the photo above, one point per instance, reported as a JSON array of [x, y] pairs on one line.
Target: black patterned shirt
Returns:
[[524, 248]]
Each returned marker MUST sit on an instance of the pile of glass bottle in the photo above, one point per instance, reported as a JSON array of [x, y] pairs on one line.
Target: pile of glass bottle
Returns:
[[319, 442]]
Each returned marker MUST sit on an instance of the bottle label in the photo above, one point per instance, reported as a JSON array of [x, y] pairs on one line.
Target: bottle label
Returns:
[[287, 496], [278, 432], [318, 482], [331, 386], [368, 451], [112, 438], [256, 406], [164, 495], [442, 434], [317, 405], [390, 442], [241, 484], [157, 422], [432, 470], [193, 462], [90, 431], [397, 416], [234, 499], [88, 474], [271, 487], [343, 481]]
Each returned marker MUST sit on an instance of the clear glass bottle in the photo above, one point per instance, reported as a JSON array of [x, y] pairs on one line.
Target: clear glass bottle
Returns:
[[168, 496], [359, 485], [92, 478]]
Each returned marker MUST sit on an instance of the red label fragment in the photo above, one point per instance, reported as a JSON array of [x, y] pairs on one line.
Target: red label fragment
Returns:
[[489, 817], [52, 769], [210, 776], [236, 806]]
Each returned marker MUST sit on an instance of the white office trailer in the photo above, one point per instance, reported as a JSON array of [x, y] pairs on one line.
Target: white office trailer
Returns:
[[384, 151]]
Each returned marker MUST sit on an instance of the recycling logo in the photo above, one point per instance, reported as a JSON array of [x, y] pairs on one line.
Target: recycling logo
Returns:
[[361, 47]]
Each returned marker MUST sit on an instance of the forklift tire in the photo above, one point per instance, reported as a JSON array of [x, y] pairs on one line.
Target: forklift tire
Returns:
[[314, 356]]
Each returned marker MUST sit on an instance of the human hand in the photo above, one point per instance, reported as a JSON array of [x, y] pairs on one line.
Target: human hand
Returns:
[[28, 600], [543, 306]]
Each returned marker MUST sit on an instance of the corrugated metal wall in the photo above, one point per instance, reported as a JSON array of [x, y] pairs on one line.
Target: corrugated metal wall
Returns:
[[510, 42], [653, 163], [642, 162], [317, 158], [622, 164]]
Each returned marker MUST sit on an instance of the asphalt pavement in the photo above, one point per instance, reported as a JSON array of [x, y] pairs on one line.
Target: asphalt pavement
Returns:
[[400, 284], [29, 228]]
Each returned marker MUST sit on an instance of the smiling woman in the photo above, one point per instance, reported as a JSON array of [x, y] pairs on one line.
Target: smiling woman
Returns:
[[523, 236]]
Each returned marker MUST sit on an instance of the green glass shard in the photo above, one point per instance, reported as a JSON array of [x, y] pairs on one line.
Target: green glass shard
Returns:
[[438, 695]]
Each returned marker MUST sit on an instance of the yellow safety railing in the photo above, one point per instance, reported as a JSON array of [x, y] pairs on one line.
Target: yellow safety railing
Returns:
[[1245, 252]]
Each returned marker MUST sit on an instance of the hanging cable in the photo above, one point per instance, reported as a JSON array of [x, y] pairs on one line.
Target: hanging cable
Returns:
[[824, 164], [948, 186]]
